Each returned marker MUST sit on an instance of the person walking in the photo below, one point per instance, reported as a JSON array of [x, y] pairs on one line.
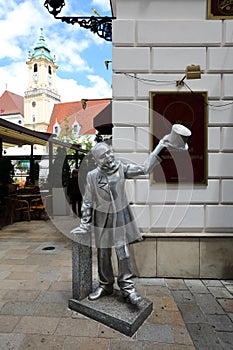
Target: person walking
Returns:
[[74, 193]]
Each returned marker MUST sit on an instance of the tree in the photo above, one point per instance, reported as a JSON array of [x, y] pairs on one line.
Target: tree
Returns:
[[66, 135]]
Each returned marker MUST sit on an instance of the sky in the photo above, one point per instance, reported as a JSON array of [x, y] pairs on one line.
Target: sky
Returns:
[[80, 54]]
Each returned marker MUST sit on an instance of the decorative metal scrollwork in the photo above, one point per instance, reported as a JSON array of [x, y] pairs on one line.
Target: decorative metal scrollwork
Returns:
[[102, 26]]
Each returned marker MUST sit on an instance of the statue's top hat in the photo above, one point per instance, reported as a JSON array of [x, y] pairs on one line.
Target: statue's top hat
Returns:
[[178, 137]]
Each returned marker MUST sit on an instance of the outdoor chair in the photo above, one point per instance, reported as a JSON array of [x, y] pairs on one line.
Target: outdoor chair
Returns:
[[37, 206], [23, 207]]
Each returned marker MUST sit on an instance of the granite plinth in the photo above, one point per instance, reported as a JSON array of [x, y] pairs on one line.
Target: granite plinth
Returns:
[[114, 312], [81, 270]]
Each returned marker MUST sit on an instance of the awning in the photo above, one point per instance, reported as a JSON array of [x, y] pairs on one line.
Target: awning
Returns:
[[103, 121], [14, 134]]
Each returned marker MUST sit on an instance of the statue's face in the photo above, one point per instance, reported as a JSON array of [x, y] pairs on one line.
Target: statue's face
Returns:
[[105, 157]]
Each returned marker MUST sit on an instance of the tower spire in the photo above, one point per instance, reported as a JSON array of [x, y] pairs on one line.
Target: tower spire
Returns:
[[41, 49]]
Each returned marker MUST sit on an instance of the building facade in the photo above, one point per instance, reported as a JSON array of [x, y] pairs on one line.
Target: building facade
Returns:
[[188, 227]]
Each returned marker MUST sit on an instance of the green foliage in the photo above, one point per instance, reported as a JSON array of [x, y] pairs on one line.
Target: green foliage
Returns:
[[66, 135]]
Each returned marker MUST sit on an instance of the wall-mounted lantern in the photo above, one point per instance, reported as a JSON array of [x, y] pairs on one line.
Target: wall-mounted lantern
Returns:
[[102, 26]]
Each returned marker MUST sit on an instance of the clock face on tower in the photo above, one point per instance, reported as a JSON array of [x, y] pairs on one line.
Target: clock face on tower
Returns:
[[35, 76], [49, 79]]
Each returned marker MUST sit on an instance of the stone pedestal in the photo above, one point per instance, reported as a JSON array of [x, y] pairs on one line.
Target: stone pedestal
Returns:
[[81, 270], [113, 311]]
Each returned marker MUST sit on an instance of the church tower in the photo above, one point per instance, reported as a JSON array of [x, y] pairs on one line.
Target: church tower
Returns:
[[41, 93]]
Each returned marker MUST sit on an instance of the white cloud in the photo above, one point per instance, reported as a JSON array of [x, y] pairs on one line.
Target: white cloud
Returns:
[[68, 53], [14, 78], [103, 4], [72, 91]]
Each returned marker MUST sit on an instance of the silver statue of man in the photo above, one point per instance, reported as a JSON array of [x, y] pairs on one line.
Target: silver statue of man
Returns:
[[106, 209]]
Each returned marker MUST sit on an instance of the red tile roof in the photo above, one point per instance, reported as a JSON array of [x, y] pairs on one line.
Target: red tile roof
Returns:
[[11, 103], [73, 111]]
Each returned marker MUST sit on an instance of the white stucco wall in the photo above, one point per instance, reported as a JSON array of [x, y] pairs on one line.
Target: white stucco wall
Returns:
[[155, 40]]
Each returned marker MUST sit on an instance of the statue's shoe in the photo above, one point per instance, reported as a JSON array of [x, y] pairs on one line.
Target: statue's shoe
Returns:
[[99, 292], [134, 298]]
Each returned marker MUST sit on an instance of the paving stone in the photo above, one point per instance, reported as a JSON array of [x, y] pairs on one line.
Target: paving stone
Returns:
[[212, 283], [220, 292], [42, 342], [154, 290], [7, 323], [164, 303], [37, 325], [220, 322], [161, 316], [208, 304], [4, 274], [4, 267], [125, 344], [196, 286], [175, 284], [204, 337], [183, 296], [2, 303], [107, 332], [227, 282], [21, 275], [19, 308], [150, 281], [21, 295], [54, 297], [75, 343], [191, 313], [25, 285], [24, 268], [229, 288], [181, 335], [49, 276], [16, 255], [3, 293], [157, 346], [53, 310], [227, 304], [58, 285], [10, 341], [226, 340], [77, 327], [156, 332]]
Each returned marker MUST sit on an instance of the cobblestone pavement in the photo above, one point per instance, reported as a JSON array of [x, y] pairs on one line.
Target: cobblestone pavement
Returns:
[[36, 283]]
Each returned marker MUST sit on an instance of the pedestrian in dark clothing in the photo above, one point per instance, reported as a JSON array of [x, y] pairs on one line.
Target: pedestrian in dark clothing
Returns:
[[73, 191]]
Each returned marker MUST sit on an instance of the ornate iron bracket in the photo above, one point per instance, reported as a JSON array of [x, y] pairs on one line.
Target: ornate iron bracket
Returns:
[[102, 26]]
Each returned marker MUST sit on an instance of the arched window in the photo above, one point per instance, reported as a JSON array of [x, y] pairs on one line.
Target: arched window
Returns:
[[75, 128], [35, 68], [49, 70], [56, 129]]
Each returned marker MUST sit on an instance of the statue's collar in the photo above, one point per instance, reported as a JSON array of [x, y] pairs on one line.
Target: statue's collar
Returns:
[[107, 171]]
